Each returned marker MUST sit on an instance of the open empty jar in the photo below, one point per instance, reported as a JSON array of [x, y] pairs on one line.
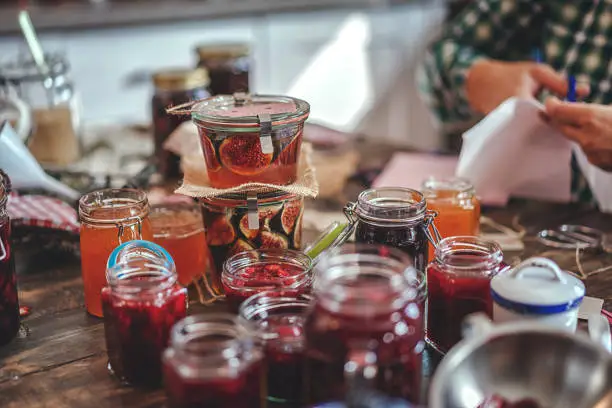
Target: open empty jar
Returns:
[[251, 138]]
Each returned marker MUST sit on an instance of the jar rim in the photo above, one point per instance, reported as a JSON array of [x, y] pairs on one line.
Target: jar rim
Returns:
[[188, 227], [240, 199], [463, 187], [138, 276], [391, 205], [274, 299], [483, 254], [113, 198]]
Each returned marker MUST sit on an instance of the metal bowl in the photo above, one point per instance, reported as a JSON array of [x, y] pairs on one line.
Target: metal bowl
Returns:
[[516, 361]]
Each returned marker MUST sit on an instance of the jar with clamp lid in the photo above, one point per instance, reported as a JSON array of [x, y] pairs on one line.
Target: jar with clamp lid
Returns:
[[396, 217], [9, 304], [249, 138]]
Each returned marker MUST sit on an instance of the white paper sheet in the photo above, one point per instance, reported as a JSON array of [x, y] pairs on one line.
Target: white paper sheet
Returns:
[[600, 181], [512, 152]]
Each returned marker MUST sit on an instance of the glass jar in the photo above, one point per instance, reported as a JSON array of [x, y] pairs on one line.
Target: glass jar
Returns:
[[249, 138], [248, 273], [459, 284], [179, 228], [55, 104], [141, 304], [278, 319], [228, 65], [396, 217], [213, 361], [365, 329], [108, 218], [458, 208], [243, 222], [9, 303], [174, 87]]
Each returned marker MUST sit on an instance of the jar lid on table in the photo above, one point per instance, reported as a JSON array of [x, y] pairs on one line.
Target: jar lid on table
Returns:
[[222, 51], [537, 286], [181, 79]]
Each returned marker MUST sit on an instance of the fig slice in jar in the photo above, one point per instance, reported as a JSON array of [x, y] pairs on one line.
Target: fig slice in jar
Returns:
[[240, 246], [290, 214], [242, 155], [210, 154], [220, 232], [297, 232], [265, 213], [270, 239]]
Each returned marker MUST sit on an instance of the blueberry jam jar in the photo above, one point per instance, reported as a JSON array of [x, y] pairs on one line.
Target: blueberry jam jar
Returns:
[[140, 304], [365, 326], [9, 304], [248, 273], [396, 217], [277, 317], [213, 362]]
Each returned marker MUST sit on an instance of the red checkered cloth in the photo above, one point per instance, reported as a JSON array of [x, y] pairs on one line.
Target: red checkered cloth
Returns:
[[43, 212]]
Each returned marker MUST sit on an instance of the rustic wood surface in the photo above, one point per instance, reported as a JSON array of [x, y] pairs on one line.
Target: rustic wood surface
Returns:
[[59, 359]]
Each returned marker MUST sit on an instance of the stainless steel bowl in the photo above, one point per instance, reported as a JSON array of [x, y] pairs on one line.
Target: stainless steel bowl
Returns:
[[523, 360]]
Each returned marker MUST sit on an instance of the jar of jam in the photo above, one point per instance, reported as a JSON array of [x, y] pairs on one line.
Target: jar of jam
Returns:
[[108, 218], [141, 304], [459, 284], [365, 328], [249, 138], [458, 208], [174, 87], [228, 65], [277, 317], [249, 273], [213, 361], [242, 222], [9, 303], [396, 217]]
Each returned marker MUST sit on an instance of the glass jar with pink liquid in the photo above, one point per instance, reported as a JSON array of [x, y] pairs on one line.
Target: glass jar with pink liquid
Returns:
[[9, 304]]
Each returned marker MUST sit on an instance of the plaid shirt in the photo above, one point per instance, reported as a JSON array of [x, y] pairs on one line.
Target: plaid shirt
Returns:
[[571, 34]]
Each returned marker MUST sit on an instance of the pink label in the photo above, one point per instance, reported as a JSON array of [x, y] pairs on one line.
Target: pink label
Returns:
[[255, 109]]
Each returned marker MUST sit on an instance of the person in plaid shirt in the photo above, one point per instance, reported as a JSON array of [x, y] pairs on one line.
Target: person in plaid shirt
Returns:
[[485, 55]]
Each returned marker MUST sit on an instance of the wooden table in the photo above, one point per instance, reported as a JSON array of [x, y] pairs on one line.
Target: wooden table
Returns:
[[59, 360]]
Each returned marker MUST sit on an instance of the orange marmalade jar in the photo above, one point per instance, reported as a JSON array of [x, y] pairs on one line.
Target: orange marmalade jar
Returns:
[[457, 205], [108, 218]]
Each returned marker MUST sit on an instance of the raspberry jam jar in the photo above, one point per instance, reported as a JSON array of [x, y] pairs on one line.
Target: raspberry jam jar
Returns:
[[243, 222], [277, 317], [365, 328], [459, 284], [396, 217], [9, 304], [248, 273], [213, 362], [141, 304], [251, 138], [458, 208]]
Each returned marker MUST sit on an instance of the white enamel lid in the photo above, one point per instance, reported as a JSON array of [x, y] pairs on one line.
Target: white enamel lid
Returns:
[[538, 286]]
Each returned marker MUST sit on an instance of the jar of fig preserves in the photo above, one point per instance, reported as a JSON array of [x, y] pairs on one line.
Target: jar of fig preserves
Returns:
[[9, 303], [228, 65], [174, 87]]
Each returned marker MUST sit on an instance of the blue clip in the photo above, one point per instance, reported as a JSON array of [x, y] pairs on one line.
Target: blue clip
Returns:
[[571, 89], [536, 55]]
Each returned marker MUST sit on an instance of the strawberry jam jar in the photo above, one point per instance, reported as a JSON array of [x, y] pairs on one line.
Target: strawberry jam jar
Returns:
[[9, 304], [213, 362], [365, 328], [396, 217], [459, 284], [249, 273], [277, 317], [239, 222], [140, 304], [251, 138]]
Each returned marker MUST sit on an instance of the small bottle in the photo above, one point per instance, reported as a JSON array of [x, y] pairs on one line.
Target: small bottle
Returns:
[[141, 304], [9, 303], [213, 361]]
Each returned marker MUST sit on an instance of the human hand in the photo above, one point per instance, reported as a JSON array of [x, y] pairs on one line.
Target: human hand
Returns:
[[589, 125], [490, 82]]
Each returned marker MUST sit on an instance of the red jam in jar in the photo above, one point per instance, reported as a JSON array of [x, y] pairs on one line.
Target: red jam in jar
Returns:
[[213, 362], [9, 303], [459, 284], [141, 304], [251, 139], [248, 273], [278, 319], [365, 329]]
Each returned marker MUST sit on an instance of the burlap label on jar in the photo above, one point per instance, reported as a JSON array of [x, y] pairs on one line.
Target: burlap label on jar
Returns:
[[195, 183]]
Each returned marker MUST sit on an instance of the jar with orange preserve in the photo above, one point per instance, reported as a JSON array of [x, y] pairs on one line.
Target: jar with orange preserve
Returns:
[[249, 138], [459, 284], [9, 304], [228, 65], [180, 230], [457, 206], [108, 218]]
